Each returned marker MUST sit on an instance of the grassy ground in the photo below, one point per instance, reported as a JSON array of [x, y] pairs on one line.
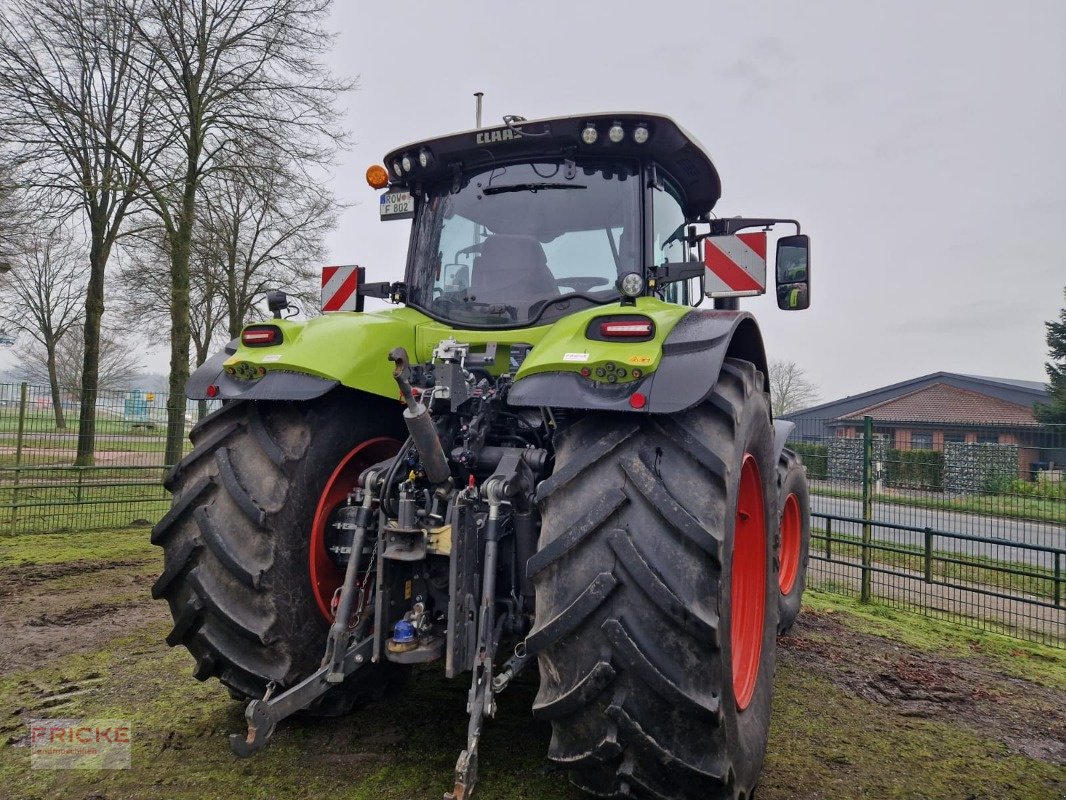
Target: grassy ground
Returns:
[[42, 420], [870, 703]]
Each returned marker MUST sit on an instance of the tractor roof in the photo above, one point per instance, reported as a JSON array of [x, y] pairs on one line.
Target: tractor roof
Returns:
[[667, 143]]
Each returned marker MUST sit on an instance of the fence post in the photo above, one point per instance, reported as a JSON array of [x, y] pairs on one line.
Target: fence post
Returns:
[[828, 538], [867, 503], [929, 555], [18, 455], [1058, 579]]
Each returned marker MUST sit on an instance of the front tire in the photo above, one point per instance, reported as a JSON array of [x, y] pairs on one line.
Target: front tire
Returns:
[[795, 506], [657, 597], [236, 539]]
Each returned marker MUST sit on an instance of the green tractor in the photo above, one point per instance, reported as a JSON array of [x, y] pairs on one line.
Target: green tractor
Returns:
[[548, 453]]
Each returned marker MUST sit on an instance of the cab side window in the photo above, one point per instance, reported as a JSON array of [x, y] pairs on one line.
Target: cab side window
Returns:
[[668, 236]]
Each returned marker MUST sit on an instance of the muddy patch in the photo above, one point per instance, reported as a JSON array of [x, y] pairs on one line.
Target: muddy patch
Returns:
[[52, 610], [1025, 716], [18, 579]]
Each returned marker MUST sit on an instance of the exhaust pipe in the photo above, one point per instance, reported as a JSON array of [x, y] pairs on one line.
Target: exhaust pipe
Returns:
[[420, 423]]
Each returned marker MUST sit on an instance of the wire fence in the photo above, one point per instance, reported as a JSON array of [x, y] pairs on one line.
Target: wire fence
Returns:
[[42, 487], [962, 524], [966, 525]]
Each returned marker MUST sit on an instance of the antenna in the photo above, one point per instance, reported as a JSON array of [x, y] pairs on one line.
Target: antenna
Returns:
[[477, 107]]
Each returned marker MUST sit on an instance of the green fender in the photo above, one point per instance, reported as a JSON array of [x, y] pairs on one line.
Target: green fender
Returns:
[[314, 356], [687, 358]]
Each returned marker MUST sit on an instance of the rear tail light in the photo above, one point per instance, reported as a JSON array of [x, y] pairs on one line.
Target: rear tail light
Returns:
[[621, 327], [627, 329], [261, 336]]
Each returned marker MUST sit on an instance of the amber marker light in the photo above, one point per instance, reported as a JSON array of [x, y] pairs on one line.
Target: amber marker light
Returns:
[[377, 176]]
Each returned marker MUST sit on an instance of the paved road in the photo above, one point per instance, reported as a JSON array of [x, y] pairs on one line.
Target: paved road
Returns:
[[1009, 531]]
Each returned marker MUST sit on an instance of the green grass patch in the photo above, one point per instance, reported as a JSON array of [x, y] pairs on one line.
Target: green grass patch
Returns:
[[57, 548], [133, 441], [39, 420], [1037, 662], [393, 750]]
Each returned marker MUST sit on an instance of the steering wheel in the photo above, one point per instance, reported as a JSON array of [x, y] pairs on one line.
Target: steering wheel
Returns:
[[583, 283]]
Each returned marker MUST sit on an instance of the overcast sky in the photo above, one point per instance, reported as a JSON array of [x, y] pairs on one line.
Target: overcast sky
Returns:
[[919, 143]]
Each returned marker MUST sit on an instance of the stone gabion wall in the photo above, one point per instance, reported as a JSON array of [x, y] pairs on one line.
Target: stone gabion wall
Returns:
[[845, 457], [972, 468]]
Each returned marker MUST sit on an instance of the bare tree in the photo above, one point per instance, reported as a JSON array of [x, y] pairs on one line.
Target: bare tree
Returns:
[[246, 71], [790, 390], [144, 291], [45, 291], [70, 98], [262, 229], [16, 217], [119, 362]]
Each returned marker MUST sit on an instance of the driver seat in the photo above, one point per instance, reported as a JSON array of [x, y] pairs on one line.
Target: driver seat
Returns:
[[513, 270]]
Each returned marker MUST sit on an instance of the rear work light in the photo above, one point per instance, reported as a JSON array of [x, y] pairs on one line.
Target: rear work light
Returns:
[[261, 336]]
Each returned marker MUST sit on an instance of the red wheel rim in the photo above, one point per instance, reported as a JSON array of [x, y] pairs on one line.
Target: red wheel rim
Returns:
[[325, 577], [749, 582], [790, 543]]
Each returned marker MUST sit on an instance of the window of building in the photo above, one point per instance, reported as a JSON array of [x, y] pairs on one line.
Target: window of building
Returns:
[[921, 441]]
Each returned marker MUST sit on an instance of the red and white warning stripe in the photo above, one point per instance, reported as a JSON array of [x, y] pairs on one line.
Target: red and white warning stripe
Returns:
[[340, 287], [736, 265]]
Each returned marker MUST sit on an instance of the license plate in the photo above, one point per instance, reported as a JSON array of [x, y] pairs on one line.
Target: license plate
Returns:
[[397, 205]]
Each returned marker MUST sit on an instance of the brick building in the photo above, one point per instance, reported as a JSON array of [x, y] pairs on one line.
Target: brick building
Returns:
[[927, 412]]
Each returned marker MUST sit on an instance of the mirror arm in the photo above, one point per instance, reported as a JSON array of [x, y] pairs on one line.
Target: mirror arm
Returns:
[[672, 272], [383, 290], [727, 227]]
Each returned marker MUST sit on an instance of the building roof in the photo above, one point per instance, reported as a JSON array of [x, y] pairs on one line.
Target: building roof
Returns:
[[1033, 386], [1015, 392], [945, 404]]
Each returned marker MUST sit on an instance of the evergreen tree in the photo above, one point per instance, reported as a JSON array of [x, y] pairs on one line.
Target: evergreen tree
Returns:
[[1055, 411]]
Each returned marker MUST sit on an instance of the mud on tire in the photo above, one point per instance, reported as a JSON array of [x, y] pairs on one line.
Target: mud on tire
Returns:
[[236, 539], [634, 598]]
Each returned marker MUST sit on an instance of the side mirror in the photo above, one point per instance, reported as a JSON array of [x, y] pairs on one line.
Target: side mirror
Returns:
[[456, 277], [793, 272]]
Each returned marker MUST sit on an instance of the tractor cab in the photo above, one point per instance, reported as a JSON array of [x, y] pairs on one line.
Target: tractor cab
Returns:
[[522, 225]]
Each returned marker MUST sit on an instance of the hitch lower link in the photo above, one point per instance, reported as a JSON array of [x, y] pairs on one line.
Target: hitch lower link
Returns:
[[343, 654], [511, 482]]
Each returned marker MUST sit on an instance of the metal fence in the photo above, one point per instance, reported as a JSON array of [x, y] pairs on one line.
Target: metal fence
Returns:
[[42, 488], [965, 524]]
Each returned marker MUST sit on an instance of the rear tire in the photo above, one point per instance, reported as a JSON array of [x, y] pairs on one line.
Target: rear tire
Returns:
[[642, 651], [236, 538], [795, 507]]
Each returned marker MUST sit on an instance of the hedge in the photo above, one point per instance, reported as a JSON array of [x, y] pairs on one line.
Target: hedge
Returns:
[[915, 469], [815, 459]]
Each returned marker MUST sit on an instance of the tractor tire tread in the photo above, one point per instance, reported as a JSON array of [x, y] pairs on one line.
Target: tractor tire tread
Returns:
[[632, 712]]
